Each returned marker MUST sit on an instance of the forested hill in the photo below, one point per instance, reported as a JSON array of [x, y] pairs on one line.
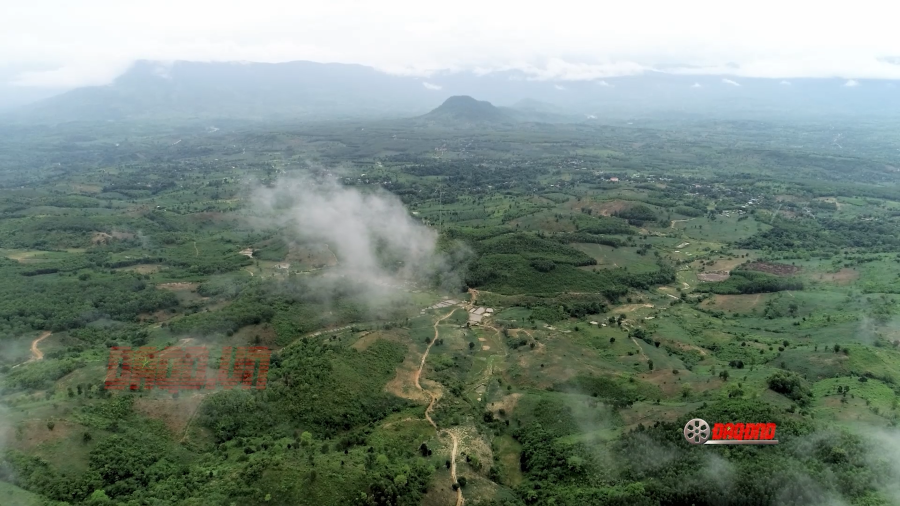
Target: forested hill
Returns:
[[467, 110]]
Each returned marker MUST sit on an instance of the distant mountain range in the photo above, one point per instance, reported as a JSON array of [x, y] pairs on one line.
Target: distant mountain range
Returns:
[[307, 91]]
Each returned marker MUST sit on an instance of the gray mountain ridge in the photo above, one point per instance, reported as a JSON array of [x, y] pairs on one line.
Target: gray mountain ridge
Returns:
[[311, 91]]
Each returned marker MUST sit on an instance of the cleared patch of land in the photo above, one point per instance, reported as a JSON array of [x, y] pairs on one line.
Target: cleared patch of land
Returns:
[[175, 413], [713, 276], [735, 303], [842, 277], [773, 268], [178, 286]]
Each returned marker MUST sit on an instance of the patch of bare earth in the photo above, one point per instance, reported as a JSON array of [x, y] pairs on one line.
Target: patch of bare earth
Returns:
[[507, 404], [772, 268], [628, 308], [100, 238], [141, 268], [210, 217], [314, 256], [174, 413], [713, 276], [25, 257], [831, 200], [368, 338], [648, 414], [104, 238], [841, 277], [685, 346], [86, 188], [439, 492], [611, 207], [606, 208], [265, 333], [473, 444], [403, 384], [178, 286], [726, 264], [35, 433], [667, 381], [785, 198], [733, 303]]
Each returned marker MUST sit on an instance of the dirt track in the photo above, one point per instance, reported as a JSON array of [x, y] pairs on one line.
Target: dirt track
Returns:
[[640, 348], [37, 354], [459, 497]]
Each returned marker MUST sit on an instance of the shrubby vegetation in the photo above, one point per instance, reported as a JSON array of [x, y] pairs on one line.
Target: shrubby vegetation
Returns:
[[752, 282]]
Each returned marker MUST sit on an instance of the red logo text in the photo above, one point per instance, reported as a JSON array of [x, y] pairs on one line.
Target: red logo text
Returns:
[[698, 432], [175, 369]]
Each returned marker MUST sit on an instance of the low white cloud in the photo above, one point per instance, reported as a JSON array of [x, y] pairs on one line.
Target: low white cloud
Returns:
[[557, 69], [431, 86], [605, 84], [785, 83], [91, 41], [72, 75], [851, 83], [696, 85], [730, 82], [558, 87], [846, 65], [163, 70], [374, 239]]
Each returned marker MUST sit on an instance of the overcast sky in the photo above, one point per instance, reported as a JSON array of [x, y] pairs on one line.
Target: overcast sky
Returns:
[[62, 43]]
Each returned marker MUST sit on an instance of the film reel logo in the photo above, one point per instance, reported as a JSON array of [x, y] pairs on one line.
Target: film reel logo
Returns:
[[698, 432]]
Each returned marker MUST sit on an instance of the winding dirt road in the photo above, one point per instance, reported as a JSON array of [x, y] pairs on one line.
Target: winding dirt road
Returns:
[[36, 353], [459, 498]]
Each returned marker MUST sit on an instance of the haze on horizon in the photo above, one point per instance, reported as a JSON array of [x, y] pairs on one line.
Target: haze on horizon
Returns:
[[57, 44]]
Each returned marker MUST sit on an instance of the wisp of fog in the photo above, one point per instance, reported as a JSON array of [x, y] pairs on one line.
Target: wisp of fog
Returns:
[[375, 239]]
